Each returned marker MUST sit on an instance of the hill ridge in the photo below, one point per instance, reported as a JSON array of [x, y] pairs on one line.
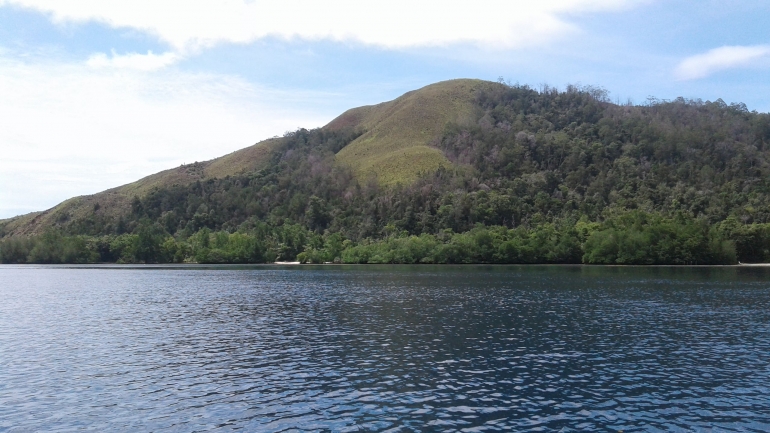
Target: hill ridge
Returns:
[[400, 157]]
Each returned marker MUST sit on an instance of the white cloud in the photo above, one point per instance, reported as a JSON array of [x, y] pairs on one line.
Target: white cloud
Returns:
[[719, 59], [140, 62], [393, 24], [70, 129]]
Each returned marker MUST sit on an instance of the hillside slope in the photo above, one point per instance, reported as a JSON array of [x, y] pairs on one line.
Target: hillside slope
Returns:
[[116, 202], [395, 147]]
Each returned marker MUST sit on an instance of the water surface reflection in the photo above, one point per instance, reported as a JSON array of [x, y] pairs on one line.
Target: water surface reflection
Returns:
[[384, 348]]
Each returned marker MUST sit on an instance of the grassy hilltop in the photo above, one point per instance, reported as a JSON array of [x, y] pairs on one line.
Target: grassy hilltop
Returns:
[[398, 143], [458, 171]]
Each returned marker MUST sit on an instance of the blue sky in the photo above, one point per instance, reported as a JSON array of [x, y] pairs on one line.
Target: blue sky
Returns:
[[98, 94]]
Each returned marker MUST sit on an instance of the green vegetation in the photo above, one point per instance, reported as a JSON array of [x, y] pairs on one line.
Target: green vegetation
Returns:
[[632, 238], [396, 146], [524, 176]]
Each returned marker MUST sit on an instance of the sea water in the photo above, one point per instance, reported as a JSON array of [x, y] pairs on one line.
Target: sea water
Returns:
[[384, 348]]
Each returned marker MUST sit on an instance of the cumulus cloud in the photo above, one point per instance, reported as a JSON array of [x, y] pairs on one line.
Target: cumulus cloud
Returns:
[[719, 59], [392, 24], [71, 129], [140, 62]]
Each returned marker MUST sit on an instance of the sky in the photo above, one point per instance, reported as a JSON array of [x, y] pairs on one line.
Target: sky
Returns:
[[97, 94]]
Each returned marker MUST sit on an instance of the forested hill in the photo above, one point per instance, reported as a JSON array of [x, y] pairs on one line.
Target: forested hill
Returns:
[[458, 172]]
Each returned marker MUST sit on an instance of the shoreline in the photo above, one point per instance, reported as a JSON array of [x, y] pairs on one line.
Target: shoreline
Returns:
[[298, 264]]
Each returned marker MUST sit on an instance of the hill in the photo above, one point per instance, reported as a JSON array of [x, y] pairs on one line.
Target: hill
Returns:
[[394, 148], [459, 171]]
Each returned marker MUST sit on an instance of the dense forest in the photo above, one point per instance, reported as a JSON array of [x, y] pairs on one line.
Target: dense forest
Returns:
[[541, 177]]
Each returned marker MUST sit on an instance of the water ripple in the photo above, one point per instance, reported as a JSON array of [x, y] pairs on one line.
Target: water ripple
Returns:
[[470, 349]]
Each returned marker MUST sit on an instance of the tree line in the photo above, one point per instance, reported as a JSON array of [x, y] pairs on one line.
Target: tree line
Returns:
[[632, 238]]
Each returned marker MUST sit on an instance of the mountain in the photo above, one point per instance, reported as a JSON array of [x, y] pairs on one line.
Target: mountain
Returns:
[[462, 170]]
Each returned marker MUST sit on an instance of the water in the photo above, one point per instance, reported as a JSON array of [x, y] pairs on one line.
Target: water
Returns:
[[384, 349]]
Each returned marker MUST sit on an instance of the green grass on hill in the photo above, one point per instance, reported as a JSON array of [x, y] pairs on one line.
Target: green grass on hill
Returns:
[[396, 146]]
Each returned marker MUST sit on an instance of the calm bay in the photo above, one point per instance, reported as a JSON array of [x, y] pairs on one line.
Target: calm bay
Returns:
[[384, 348]]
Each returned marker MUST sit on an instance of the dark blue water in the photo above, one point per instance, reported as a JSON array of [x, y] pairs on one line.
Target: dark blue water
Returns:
[[385, 349]]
